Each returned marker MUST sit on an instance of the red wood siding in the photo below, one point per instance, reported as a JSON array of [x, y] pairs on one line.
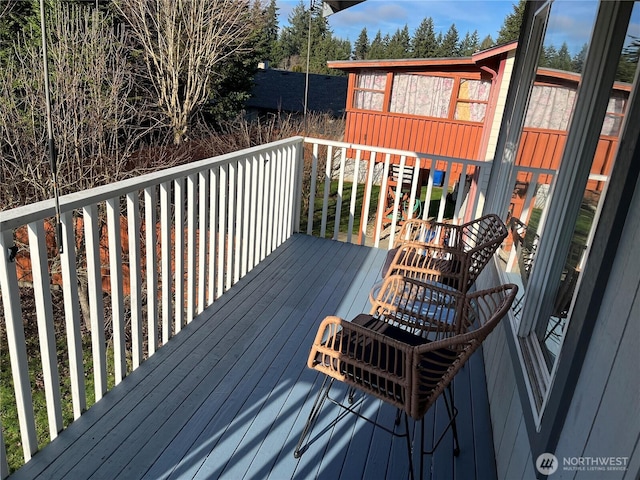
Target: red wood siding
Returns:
[[424, 135]]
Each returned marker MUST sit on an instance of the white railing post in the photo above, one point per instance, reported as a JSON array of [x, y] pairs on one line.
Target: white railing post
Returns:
[[152, 267], [246, 217], [17, 347], [178, 243], [72, 315], [203, 191], [96, 307], [135, 277], [46, 332], [115, 276], [240, 213], [165, 241], [222, 221], [191, 246], [354, 193], [213, 225], [231, 218]]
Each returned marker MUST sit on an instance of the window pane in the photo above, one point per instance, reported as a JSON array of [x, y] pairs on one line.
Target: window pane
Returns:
[[368, 100], [474, 89], [550, 107], [372, 80], [550, 332], [473, 112], [421, 95]]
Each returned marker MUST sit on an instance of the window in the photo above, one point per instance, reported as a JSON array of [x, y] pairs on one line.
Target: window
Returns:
[[425, 95], [551, 234], [369, 90], [615, 113], [550, 107], [473, 96]]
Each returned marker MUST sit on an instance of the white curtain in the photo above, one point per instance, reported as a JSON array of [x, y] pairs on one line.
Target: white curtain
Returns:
[[550, 107], [424, 95], [370, 87]]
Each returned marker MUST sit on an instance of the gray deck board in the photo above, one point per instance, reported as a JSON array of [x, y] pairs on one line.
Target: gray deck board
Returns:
[[229, 395]]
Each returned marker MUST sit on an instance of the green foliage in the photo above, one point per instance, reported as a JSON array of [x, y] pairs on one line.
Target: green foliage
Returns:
[[423, 43], [469, 44], [510, 29], [361, 47], [487, 42], [378, 49], [629, 61], [400, 44], [449, 46]]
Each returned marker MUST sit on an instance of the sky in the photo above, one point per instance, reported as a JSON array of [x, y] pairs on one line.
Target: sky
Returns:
[[571, 20], [486, 16]]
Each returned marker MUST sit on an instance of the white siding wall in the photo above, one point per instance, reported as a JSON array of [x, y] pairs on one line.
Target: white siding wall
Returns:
[[604, 415], [500, 104]]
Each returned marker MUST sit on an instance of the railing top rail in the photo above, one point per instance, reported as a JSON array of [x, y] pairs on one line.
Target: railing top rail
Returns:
[[23, 215], [392, 151]]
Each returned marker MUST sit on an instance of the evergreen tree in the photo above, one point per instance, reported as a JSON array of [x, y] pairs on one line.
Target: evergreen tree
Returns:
[[399, 45], [562, 59], [423, 43], [469, 44], [487, 42], [629, 61], [377, 49], [578, 59], [449, 46], [548, 56], [267, 35], [361, 47], [510, 29], [293, 37]]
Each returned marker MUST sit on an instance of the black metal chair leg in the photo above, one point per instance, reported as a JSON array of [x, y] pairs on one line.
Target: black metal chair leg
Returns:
[[323, 393], [409, 446], [453, 412]]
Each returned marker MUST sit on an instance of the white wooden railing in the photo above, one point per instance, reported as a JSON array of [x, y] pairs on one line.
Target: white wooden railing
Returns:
[[162, 247], [216, 218]]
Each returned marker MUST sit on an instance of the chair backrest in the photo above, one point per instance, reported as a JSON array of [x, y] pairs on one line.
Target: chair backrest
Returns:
[[477, 240], [416, 338], [427, 263]]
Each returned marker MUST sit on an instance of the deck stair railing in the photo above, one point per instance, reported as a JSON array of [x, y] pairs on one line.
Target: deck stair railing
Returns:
[[149, 253]]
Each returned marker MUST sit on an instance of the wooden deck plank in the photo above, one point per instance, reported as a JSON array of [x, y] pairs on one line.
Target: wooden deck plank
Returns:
[[229, 395], [238, 451], [197, 428], [172, 413], [138, 386], [300, 388]]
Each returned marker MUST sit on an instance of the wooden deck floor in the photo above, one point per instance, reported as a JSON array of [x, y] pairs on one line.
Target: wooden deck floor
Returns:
[[228, 396]]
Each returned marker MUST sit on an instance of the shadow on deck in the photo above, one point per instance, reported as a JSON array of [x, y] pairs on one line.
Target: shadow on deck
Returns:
[[229, 395]]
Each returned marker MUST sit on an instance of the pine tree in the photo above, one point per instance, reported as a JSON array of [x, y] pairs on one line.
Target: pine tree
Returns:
[[579, 58], [449, 46], [487, 42], [469, 44], [293, 37], [423, 43], [399, 44], [629, 61], [377, 49], [361, 47], [267, 36], [510, 29]]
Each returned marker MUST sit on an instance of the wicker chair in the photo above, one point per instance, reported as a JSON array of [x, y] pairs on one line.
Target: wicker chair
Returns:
[[406, 351], [467, 247]]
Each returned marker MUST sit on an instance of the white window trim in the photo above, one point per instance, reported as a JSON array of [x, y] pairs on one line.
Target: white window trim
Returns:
[[544, 280]]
